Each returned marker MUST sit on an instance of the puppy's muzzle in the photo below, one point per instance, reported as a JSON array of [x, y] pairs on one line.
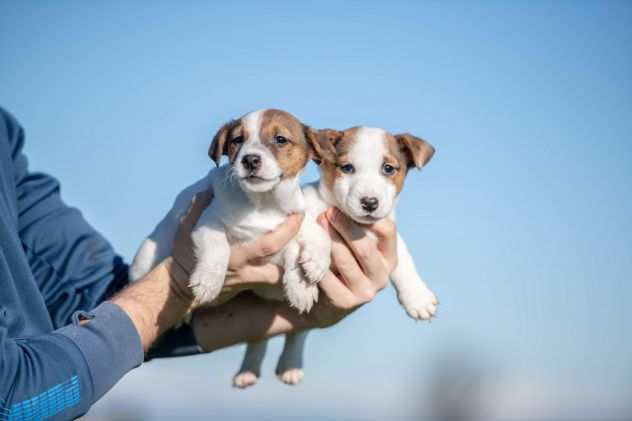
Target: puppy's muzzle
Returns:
[[369, 204], [251, 162]]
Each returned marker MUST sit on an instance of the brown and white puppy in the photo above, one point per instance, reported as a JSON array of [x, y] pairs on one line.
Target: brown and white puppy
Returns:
[[362, 173], [253, 193]]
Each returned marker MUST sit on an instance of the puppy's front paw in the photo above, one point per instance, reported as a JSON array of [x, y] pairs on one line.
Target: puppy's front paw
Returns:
[[300, 294], [206, 284], [420, 304], [315, 262], [244, 379], [291, 376]]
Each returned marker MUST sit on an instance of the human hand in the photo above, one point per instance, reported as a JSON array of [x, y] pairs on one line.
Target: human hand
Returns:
[[246, 268], [361, 267]]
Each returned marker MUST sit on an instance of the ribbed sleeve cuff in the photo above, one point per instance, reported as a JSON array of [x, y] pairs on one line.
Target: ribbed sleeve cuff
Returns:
[[109, 343]]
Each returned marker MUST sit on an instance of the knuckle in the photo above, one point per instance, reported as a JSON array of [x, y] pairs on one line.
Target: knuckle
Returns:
[[365, 295], [382, 282], [363, 253], [388, 228], [267, 248]]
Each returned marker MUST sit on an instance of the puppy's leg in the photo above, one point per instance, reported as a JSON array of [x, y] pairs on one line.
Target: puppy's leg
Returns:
[[158, 245], [154, 248], [300, 293], [290, 366], [251, 365], [315, 257], [412, 292], [212, 253]]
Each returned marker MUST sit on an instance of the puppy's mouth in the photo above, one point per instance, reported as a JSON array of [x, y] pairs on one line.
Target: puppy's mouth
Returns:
[[367, 219], [252, 178]]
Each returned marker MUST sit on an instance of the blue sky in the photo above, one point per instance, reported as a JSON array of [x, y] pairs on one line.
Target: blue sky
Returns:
[[521, 222]]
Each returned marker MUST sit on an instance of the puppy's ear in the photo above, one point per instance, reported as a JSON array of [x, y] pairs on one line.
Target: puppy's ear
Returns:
[[417, 150], [218, 145], [323, 143]]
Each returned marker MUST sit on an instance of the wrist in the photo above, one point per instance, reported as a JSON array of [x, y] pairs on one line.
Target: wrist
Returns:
[[156, 302]]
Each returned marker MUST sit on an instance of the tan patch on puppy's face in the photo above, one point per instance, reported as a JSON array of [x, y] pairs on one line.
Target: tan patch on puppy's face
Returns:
[[395, 157], [286, 138], [340, 144], [288, 141], [364, 169]]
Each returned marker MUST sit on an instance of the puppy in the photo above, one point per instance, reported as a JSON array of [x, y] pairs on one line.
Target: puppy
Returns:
[[253, 193], [362, 172]]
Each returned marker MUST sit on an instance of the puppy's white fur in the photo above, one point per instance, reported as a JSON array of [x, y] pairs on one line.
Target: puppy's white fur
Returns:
[[241, 213], [242, 210], [367, 180]]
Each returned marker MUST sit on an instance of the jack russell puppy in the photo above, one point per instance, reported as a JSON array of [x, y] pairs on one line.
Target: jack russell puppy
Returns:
[[362, 172], [253, 193]]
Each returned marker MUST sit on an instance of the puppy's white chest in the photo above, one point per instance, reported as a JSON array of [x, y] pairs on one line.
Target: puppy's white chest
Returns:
[[253, 224]]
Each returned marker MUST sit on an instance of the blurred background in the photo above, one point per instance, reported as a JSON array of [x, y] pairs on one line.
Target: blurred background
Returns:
[[521, 223]]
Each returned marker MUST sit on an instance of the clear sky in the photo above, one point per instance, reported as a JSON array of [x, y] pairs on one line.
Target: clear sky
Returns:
[[521, 223]]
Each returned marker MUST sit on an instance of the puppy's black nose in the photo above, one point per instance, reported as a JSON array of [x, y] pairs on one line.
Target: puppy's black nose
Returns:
[[251, 162], [369, 204]]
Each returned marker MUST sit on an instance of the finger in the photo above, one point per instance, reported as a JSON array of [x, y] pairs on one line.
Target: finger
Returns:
[[255, 275], [199, 202], [268, 244], [349, 269], [335, 290], [364, 248], [386, 234]]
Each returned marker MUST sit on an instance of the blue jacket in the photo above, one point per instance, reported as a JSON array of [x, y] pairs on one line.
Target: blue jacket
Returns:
[[53, 266]]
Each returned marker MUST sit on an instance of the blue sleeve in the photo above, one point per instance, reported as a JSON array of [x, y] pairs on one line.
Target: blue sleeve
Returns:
[[74, 266], [55, 372], [59, 375]]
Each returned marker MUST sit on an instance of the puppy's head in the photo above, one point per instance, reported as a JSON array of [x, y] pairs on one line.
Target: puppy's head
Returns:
[[264, 147], [363, 169]]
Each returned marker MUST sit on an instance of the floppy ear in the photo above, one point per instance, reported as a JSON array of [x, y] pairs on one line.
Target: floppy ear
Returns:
[[218, 146], [324, 144], [416, 149]]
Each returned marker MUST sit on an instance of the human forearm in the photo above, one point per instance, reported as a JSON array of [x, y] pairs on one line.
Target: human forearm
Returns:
[[157, 301], [245, 318]]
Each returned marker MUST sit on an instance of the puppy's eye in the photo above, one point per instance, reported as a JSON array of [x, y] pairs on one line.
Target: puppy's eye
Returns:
[[280, 140], [237, 140], [347, 168], [388, 169]]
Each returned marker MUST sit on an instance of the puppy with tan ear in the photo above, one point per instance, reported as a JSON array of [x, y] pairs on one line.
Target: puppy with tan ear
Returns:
[[362, 173], [254, 192]]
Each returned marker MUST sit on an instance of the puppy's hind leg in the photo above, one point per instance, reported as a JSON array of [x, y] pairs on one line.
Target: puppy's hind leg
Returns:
[[251, 366], [290, 366], [154, 248]]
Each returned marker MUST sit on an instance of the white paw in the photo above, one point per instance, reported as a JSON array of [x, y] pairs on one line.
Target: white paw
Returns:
[[244, 379], [315, 262], [291, 376], [206, 284], [420, 304], [300, 294]]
